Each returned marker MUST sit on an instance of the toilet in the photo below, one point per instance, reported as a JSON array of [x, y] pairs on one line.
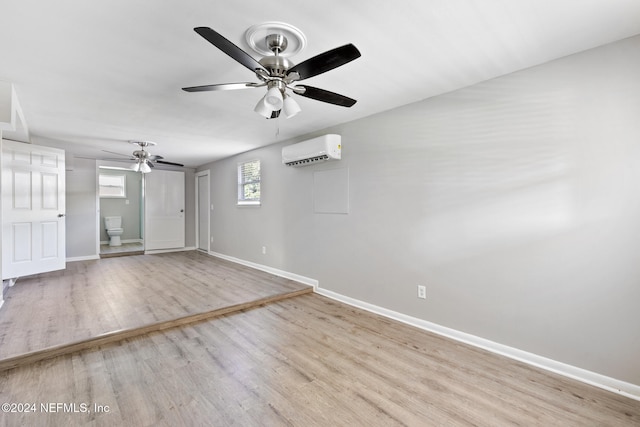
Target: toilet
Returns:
[[113, 225]]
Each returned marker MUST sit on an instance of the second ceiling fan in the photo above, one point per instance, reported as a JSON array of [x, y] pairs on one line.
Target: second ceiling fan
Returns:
[[279, 75], [143, 160]]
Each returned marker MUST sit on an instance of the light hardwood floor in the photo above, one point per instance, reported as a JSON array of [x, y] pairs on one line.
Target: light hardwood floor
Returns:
[[115, 297], [304, 361]]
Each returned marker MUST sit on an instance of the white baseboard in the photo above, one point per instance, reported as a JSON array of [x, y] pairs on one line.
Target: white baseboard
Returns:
[[287, 275], [611, 384], [163, 251], [83, 258]]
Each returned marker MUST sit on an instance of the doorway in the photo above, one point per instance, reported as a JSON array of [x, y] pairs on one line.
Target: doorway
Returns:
[[121, 195]]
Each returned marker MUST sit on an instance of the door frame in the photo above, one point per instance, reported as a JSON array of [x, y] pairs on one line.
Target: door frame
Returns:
[[114, 165], [197, 209]]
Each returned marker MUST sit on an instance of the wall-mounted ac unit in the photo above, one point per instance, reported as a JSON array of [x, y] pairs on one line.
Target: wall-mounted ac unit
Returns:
[[326, 147]]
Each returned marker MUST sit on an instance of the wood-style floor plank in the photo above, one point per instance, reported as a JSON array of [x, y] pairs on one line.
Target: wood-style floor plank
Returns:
[[111, 298], [305, 361]]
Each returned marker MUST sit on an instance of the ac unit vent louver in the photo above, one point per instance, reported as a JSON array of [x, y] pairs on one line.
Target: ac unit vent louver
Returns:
[[323, 148], [307, 161]]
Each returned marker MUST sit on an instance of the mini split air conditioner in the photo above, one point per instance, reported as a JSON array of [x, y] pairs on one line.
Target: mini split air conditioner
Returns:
[[326, 147]]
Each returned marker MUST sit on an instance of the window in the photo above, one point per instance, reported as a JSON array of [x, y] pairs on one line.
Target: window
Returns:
[[249, 183], [112, 186]]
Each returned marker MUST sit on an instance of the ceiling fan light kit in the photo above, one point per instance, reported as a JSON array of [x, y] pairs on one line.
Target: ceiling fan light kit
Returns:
[[141, 166], [263, 109], [290, 107], [273, 98], [277, 41], [144, 167]]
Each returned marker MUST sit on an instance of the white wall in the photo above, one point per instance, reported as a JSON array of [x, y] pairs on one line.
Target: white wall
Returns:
[[190, 207], [515, 201], [81, 208]]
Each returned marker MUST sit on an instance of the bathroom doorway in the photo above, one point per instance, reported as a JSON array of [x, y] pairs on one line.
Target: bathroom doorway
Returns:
[[121, 211]]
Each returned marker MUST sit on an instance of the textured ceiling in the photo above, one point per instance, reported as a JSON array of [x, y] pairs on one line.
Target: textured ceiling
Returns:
[[91, 75]]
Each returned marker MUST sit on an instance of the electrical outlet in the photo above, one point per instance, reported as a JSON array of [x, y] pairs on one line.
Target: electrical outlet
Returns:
[[422, 292], [264, 250]]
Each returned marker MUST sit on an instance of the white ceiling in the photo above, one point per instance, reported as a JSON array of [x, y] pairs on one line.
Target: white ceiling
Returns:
[[91, 75]]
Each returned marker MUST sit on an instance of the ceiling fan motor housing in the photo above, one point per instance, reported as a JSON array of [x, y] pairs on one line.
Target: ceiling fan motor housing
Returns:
[[277, 65], [141, 154]]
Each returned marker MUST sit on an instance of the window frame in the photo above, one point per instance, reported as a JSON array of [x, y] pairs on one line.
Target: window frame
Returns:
[[242, 183], [123, 186]]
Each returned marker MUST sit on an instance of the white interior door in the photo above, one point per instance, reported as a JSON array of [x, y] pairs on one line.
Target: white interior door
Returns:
[[203, 211], [33, 209], [164, 210]]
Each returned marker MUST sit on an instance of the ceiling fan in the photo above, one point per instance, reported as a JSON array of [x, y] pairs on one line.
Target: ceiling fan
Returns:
[[144, 160], [280, 75]]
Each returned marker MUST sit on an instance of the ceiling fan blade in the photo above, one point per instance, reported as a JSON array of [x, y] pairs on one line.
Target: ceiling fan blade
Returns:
[[324, 96], [229, 48], [119, 160], [325, 61], [118, 154], [155, 158], [222, 86], [169, 163]]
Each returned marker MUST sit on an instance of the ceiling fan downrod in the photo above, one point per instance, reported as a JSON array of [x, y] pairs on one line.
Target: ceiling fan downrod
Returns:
[[277, 43]]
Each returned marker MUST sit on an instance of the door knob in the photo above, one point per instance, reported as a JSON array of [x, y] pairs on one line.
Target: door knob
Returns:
[[181, 210], [60, 215]]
